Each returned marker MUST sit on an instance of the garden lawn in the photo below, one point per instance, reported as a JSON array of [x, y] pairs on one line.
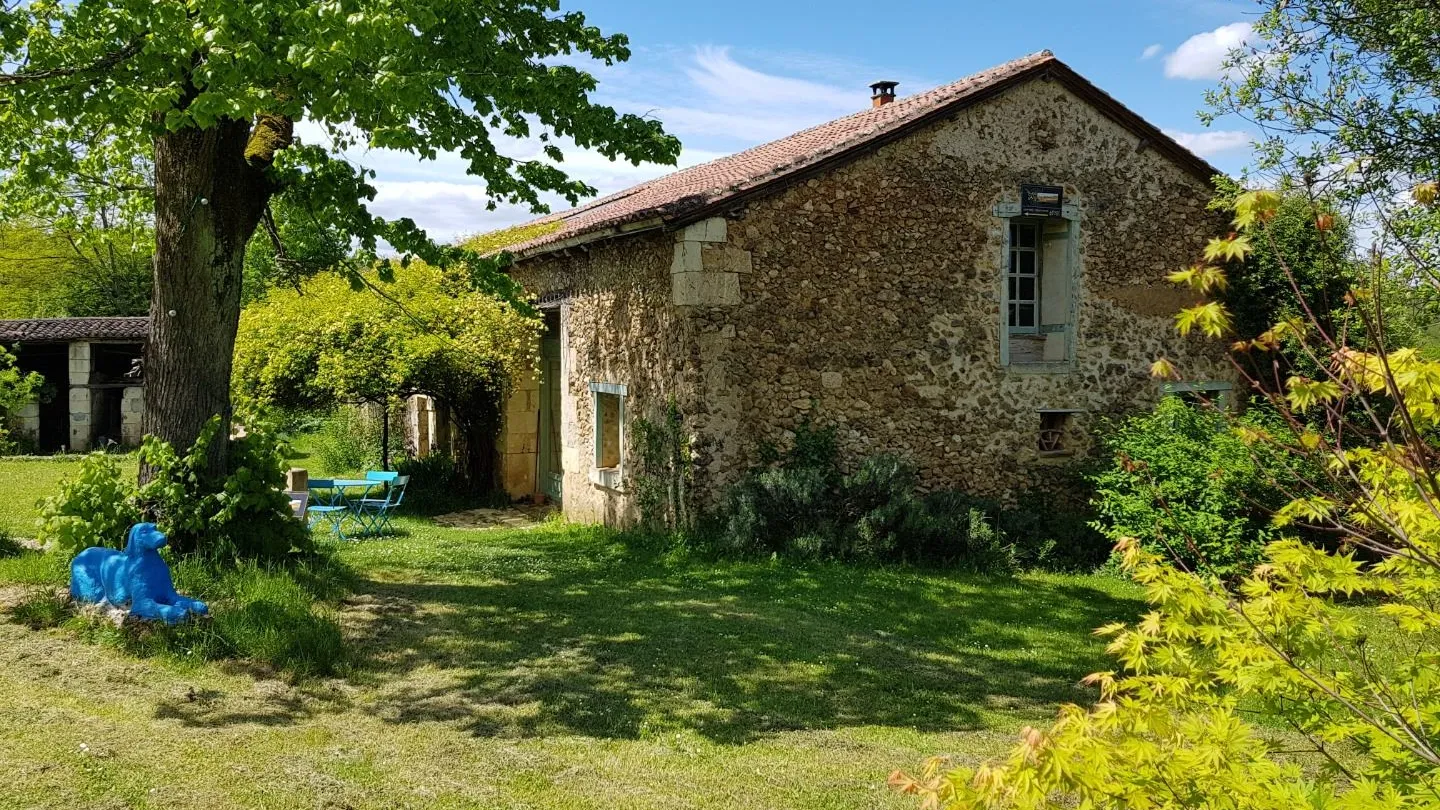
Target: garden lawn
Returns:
[[27, 480], [561, 667]]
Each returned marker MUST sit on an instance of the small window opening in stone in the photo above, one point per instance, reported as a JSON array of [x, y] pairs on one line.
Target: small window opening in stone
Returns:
[[1053, 425], [607, 430], [1203, 394]]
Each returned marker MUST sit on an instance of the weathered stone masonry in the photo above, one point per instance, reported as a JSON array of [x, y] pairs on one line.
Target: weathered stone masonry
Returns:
[[867, 296]]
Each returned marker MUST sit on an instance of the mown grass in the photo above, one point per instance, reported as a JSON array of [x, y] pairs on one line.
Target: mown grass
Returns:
[[560, 667], [27, 480]]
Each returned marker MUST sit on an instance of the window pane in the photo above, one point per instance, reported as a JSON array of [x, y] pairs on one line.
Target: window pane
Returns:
[[1027, 263], [1012, 316], [1013, 296], [607, 429], [1027, 288], [1014, 234], [1026, 236], [1025, 314]]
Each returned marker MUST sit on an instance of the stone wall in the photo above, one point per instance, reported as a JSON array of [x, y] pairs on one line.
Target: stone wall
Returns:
[[27, 420], [617, 326], [868, 298], [519, 447], [132, 411], [81, 415], [873, 303]]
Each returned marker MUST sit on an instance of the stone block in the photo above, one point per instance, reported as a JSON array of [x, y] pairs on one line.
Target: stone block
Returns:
[[726, 259], [517, 441], [130, 433], [297, 479], [708, 230], [831, 379], [522, 405], [705, 289], [80, 351], [689, 258], [30, 410], [518, 474]]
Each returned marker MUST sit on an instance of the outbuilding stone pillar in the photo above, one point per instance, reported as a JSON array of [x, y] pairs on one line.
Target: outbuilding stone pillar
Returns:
[[81, 424]]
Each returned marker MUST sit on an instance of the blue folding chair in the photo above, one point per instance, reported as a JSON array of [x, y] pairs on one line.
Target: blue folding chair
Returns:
[[330, 509], [373, 514], [383, 476]]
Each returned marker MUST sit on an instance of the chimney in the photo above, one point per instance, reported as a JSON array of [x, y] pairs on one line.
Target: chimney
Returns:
[[882, 93]]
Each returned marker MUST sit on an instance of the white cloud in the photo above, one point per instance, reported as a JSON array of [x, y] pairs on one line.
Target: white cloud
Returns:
[[448, 203], [727, 81], [1151, 51], [454, 207], [713, 101], [1212, 142], [723, 101], [1203, 55]]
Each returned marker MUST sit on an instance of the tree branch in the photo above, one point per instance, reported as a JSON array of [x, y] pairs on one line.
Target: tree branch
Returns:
[[105, 62]]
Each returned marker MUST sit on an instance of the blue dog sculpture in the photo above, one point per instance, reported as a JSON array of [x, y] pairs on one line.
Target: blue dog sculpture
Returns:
[[136, 577]]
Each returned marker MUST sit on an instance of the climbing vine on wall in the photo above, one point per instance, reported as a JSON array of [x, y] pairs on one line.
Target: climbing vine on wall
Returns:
[[664, 472]]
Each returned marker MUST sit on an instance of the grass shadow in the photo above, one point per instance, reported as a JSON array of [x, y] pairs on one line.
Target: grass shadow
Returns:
[[569, 631]]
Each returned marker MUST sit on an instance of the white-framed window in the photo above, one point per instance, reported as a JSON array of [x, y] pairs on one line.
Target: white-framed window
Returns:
[[608, 423], [1213, 392], [1039, 284], [1022, 277]]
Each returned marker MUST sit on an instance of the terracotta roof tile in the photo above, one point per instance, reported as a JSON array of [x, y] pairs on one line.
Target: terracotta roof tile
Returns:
[[672, 197], [64, 330]]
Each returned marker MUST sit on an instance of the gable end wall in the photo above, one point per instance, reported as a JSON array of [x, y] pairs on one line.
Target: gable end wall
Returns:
[[867, 298]]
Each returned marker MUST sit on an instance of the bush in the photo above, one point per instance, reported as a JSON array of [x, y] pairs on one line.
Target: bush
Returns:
[[347, 441], [1188, 488], [9, 546], [244, 514], [802, 505], [984, 534], [436, 485], [94, 507]]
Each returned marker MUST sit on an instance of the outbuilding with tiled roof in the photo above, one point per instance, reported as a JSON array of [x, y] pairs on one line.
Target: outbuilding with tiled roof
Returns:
[[966, 278], [94, 386], [69, 330]]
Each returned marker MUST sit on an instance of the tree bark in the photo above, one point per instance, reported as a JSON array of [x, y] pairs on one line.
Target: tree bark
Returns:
[[208, 202]]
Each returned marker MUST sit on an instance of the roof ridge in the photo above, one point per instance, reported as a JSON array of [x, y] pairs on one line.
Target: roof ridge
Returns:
[[909, 101], [693, 190]]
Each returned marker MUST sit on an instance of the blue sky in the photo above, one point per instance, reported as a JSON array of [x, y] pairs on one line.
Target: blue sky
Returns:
[[726, 76]]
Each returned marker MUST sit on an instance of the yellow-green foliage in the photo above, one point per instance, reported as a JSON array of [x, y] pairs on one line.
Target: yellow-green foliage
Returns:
[[1337, 654], [427, 332], [33, 266], [495, 241]]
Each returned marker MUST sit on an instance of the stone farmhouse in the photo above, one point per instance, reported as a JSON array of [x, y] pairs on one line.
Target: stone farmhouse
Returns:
[[93, 392], [968, 277]]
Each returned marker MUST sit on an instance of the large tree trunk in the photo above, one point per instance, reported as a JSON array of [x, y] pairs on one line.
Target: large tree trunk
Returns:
[[208, 202]]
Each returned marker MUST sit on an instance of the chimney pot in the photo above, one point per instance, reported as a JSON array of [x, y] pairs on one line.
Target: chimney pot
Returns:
[[882, 93]]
